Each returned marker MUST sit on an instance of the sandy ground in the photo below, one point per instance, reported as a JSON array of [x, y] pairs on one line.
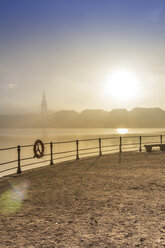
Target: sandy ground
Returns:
[[97, 202]]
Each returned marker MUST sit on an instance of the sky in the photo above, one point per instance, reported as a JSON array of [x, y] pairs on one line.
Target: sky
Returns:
[[85, 54]]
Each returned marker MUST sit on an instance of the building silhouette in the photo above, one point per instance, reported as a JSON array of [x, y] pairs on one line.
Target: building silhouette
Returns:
[[44, 108]]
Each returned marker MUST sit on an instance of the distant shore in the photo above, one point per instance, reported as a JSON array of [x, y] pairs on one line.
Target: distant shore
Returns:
[[90, 118]]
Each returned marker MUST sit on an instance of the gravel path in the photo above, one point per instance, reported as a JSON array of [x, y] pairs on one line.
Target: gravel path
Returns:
[[107, 201]]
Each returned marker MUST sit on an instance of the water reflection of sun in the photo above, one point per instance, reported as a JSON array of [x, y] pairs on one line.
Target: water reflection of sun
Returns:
[[122, 130]]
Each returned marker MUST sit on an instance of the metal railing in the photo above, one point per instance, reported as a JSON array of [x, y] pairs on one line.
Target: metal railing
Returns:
[[77, 149]]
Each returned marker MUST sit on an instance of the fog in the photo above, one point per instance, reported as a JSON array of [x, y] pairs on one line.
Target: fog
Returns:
[[72, 51], [117, 118]]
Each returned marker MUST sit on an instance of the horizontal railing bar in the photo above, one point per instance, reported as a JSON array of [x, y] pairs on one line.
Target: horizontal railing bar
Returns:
[[24, 146], [9, 162], [108, 150], [146, 143], [111, 150], [133, 137], [105, 138], [8, 169], [88, 139], [137, 145], [87, 153], [8, 148], [149, 141], [90, 148], [46, 154], [44, 161], [110, 146], [154, 142], [147, 136], [64, 142], [64, 157], [133, 147], [124, 146], [22, 159], [56, 153], [130, 144]]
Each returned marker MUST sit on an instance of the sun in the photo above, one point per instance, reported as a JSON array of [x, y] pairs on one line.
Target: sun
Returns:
[[122, 85]]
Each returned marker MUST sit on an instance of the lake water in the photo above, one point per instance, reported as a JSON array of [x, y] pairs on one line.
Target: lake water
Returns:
[[14, 137]]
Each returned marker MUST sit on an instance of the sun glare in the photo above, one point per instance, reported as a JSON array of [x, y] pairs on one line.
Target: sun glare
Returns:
[[122, 130], [122, 85]]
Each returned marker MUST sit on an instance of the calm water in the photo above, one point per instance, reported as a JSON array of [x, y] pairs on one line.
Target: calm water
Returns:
[[14, 137]]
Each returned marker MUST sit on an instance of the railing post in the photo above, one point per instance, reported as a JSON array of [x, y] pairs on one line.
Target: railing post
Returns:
[[51, 153], [77, 155], [100, 152], [140, 143], [19, 160], [120, 145], [161, 139]]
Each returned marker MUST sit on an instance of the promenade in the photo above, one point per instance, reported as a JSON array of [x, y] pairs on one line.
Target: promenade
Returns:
[[108, 201]]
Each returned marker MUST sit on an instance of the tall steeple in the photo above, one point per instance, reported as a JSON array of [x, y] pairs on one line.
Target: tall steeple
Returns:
[[44, 109]]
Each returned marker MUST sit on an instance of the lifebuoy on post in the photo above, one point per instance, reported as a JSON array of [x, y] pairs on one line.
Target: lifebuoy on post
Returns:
[[38, 149]]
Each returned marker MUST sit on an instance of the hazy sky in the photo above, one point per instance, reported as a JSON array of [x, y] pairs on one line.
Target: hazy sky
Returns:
[[77, 50]]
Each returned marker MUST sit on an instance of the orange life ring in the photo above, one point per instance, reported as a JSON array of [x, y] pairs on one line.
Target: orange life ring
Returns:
[[38, 149]]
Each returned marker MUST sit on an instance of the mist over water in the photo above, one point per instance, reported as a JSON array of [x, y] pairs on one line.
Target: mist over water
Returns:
[[14, 137]]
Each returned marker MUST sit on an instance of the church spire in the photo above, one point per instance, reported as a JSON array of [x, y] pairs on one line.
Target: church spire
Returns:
[[44, 109]]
